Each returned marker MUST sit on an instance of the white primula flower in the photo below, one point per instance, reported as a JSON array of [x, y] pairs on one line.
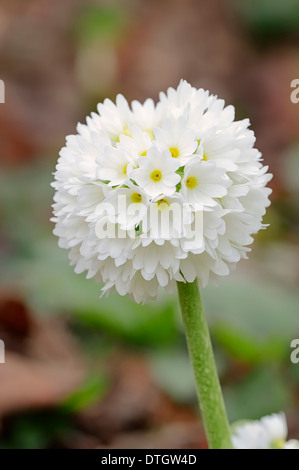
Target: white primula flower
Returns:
[[131, 204], [115, 118], [176, 102], [114, 166], [147, 195], [178, 139], [146, 115], [136, 145], [292, 444], [270, 432], [219, 148], [157, 173], [204, 183], [167, 218]]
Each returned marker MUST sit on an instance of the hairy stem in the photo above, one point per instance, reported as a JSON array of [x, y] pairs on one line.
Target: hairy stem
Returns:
[[205, 372]]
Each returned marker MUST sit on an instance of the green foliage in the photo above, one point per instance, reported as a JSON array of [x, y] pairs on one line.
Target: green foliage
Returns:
[[92, 390], [173, 373], [100, 22], [36, 430], [251, 319], [270, 17], [261, 392]]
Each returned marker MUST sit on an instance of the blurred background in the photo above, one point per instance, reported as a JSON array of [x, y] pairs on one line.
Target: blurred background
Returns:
[[82, 372]]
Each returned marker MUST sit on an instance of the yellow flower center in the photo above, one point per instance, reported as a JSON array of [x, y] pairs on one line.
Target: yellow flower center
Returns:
[[156, 175], [278, 444], [162, 204], [125, 169], [143, 154], [136, 198], [204, 157], [150, 133], [174, 152], [191, 182], [126, 131]]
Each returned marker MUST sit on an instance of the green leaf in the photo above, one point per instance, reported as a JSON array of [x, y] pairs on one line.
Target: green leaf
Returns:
[[247, 348], [36, 430], [270, 17], [150, 324], [173, 373], [91, 391], [262, 392], [100, 21], [253, 320]]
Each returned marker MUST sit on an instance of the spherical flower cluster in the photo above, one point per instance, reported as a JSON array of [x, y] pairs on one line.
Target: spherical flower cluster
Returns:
[[150, 194], [270, 432]]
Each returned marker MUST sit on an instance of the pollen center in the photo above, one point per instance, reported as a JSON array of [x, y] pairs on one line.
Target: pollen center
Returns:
[[136, 198], [204, 157], [150, 133], [125, 169], [278, 444], [162, 204], [156, 175], [191, 182], [126, 131], [143, 154], [174, 152]]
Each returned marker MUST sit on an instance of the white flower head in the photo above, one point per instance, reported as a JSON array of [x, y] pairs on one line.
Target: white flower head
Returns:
[[149, 194], [270, 432]]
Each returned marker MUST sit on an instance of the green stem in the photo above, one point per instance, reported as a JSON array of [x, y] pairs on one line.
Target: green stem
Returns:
[[204, 367]]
